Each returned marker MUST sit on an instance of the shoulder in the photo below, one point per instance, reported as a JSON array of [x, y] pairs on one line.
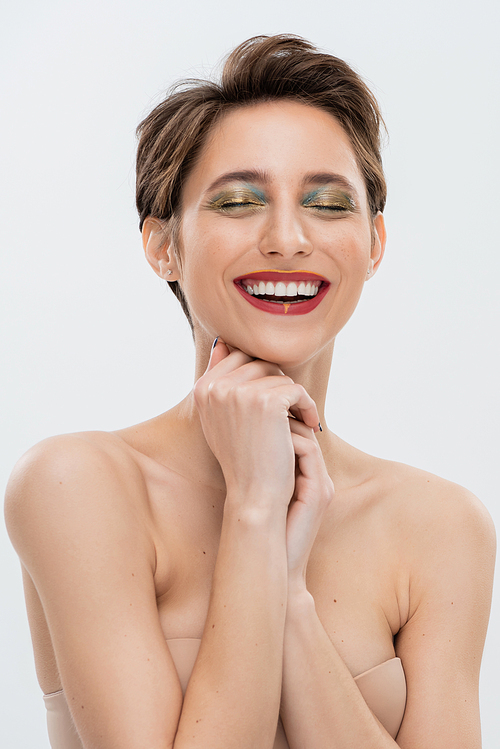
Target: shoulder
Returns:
[[70, 457], [67, 479], [434, 507], [442, 534]]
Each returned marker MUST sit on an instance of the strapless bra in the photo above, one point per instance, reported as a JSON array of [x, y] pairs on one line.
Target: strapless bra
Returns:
[[383, 688]]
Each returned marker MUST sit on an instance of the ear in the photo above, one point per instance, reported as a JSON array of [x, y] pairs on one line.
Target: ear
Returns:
[[158, 248], [378, 243]]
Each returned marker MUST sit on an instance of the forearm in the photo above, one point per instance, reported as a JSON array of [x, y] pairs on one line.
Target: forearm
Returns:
[[321, 705], [233, 696]]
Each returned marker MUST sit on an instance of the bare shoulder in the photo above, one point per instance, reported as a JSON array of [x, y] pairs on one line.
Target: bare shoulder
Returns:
[[67, 476], [443, 534], [433, 506], [77, 514], [413, 503]]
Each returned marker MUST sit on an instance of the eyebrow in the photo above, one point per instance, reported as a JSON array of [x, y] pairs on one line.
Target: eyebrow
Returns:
[[245, 175], [326, 178], [263, 178]]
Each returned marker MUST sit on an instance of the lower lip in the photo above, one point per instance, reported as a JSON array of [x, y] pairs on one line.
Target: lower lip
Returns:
[[286, 308]]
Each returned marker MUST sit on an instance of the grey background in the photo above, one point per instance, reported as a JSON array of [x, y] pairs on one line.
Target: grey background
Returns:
[[90, 337]]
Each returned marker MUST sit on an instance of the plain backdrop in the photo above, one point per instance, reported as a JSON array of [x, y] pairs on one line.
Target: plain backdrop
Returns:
[[92, 339]]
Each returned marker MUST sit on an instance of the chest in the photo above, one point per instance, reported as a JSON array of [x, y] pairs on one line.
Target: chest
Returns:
[[349, 574]]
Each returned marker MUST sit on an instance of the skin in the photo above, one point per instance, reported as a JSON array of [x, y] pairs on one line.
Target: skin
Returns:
[[191, 510]]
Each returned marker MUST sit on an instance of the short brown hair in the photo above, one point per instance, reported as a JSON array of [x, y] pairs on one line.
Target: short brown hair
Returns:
[[264, 68]]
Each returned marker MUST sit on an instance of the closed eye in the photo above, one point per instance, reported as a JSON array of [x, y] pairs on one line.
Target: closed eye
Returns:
[[228, 204], [328, 200], [230, 200], [328, 207]]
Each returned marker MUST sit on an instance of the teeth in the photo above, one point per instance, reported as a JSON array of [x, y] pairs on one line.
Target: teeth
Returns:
[[281, 289]]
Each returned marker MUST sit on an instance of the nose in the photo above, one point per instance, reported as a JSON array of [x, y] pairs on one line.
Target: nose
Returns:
[[283, 235]]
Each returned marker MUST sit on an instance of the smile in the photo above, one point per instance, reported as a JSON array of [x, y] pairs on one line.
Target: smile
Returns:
[[283, 292]]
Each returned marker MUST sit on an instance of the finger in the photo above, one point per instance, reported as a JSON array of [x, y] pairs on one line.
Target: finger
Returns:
[[308, 452], [220, 352], [295, 417], [257, 369], [220, 363], [291, 396], [295, 412], [302, 405], [298, 427]]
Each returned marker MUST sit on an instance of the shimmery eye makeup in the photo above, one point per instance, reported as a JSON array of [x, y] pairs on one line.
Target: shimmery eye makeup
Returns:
[[237, 198], [326, 198]]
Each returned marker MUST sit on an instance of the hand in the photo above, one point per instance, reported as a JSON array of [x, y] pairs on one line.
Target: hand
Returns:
[[243, 405], [313, 493]]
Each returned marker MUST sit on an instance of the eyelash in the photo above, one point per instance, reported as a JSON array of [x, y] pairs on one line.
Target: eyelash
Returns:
[[236, 204], [228, 205], [337, 208]]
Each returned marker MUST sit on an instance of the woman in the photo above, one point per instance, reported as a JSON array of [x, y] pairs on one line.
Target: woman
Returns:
[[195, 581]]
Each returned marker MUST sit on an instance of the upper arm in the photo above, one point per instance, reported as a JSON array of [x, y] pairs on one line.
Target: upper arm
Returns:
[[76, 518], [453, 550]]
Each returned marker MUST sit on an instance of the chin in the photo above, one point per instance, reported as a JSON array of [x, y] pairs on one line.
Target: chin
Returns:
[[287, 354]]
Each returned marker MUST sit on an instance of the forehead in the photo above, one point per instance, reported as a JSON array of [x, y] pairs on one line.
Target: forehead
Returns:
[[284, 139]]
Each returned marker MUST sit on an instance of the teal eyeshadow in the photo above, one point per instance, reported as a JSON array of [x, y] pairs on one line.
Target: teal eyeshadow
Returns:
[[256, 192], [312, 195]]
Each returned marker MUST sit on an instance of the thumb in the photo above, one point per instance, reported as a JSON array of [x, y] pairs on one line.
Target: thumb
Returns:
[[218, 353]]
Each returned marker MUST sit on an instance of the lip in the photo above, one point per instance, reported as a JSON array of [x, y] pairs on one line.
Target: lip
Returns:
[[284, 308], [277, 275]]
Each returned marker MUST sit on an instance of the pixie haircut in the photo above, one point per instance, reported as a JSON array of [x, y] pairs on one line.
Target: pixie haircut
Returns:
[[261, 69]]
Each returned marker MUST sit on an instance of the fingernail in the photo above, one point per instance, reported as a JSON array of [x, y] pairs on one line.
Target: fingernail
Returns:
[[320, 427], [214, 344]]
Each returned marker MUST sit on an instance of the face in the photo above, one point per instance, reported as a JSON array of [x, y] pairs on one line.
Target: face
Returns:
[[276, 236]]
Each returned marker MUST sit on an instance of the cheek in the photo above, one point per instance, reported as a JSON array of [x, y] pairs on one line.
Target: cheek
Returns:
[[350, 248], [201, 275]]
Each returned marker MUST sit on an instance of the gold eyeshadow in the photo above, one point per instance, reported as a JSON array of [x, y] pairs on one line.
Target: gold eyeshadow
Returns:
[[326, 199], [329, 198], [237, 197]]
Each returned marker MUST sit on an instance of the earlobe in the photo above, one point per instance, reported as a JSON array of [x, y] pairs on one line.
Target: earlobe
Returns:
[[158, 249]]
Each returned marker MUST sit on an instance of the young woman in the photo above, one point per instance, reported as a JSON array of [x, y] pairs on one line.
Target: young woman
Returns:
[[231, 573]]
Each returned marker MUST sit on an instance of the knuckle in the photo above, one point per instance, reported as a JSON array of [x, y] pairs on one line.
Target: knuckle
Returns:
[[265, 398], [218, 390], [199, 391], [314, 449], [247, 394], [239, 393]]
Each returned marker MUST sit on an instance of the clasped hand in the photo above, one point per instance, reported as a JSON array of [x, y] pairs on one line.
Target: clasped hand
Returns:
[[260, 425]]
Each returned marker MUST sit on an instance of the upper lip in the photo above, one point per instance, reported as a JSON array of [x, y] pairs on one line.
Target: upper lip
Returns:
[[286, 276]]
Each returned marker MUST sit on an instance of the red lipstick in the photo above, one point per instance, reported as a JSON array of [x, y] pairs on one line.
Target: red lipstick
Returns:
[[299, 303]]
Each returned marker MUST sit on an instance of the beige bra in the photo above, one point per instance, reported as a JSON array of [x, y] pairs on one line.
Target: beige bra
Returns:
[[383, 687]]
